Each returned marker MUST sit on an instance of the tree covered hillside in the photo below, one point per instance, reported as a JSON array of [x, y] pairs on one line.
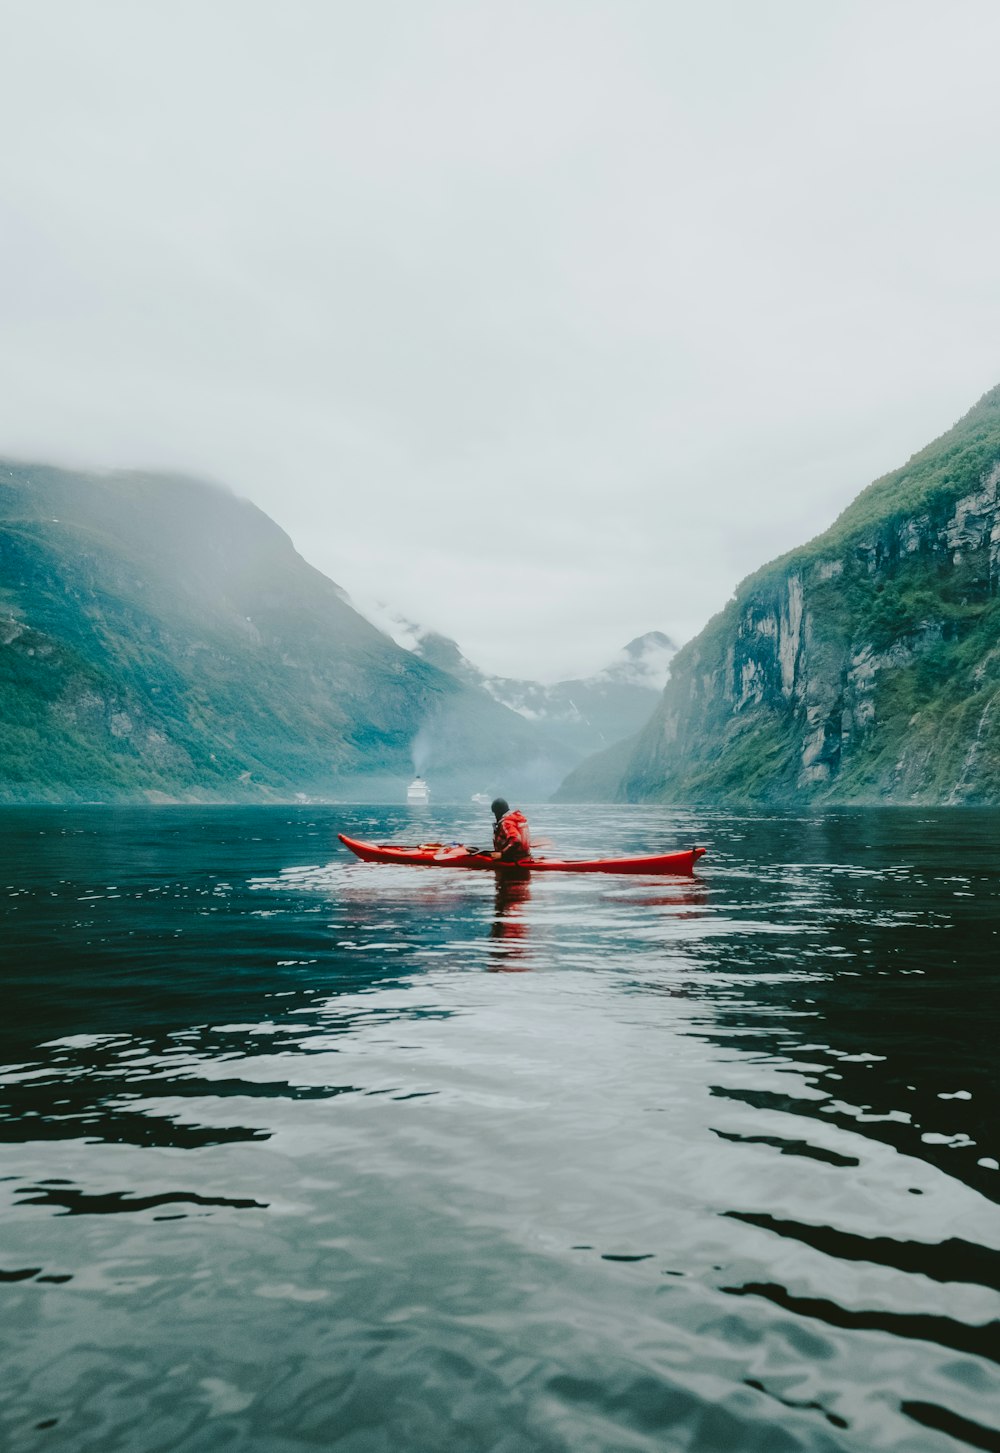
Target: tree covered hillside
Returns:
[[159, 636]]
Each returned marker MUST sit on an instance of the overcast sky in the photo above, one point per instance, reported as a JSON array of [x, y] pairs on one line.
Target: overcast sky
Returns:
[[542, 321]]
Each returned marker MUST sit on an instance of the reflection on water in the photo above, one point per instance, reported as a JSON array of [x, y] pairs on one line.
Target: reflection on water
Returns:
[[300, 1151], [510, 927]]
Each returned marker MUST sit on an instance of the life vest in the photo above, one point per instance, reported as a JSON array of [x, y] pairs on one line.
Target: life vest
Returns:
[[511, 835]]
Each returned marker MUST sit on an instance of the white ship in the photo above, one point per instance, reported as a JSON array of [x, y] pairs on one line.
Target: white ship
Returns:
[[480, 799], [418, 793]]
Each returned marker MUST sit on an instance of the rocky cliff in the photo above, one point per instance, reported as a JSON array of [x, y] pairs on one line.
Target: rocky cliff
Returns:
[[863, 666]]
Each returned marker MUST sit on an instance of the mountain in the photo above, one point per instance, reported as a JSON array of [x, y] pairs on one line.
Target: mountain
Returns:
[[574, 718], [160, 637], [863, 666]]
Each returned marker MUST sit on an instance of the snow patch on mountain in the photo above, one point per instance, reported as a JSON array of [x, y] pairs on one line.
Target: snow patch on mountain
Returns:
[[579, 716]]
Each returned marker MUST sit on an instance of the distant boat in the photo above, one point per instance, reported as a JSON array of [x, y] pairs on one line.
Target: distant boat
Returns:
[[418, 793], [480, 799]]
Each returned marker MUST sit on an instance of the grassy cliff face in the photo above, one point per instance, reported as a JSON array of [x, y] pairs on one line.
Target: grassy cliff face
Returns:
[[160, 636], [864, 666]]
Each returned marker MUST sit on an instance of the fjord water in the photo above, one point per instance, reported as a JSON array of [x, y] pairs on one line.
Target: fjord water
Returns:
[[300, 1152]]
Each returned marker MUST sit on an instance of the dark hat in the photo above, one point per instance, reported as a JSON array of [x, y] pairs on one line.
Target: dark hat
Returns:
[[498, 807]]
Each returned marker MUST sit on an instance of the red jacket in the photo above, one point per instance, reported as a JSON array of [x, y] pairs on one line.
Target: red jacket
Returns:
[[511, 836]]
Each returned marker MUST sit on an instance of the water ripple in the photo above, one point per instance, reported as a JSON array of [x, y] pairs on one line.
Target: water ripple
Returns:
[[568, 1164]]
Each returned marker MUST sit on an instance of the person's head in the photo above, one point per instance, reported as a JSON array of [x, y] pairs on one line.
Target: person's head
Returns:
[[498, 807]]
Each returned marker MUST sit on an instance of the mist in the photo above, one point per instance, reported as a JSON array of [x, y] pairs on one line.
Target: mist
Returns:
[[544, 324]]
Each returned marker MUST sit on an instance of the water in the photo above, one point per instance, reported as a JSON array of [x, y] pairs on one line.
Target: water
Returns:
[[303, 1153]]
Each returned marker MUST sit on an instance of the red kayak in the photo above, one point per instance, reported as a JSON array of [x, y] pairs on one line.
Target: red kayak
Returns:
[[440, 855]]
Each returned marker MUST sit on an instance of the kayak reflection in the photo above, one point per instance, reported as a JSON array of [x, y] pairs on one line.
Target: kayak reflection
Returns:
[[509, 929], [686, 898]]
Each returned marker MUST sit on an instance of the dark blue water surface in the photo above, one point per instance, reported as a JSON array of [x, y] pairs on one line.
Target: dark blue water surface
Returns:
[[299, 1152]]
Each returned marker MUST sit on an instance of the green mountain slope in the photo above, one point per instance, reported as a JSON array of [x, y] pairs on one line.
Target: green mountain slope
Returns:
[[863, 666], [159, 636]]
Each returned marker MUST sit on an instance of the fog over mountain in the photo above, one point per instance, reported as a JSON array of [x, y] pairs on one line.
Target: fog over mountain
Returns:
[[578, 716], [559, 317], [162, 639]]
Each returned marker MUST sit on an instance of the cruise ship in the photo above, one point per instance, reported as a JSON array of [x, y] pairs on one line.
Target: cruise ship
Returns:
[[418, 793]]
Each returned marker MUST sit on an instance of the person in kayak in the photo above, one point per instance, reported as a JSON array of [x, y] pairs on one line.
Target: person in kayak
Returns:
[[511, 837]]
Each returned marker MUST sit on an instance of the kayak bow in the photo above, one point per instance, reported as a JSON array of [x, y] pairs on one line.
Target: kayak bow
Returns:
[[440, 855]]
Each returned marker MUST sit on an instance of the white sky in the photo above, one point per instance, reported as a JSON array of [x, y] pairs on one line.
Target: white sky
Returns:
[[542, 321]]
